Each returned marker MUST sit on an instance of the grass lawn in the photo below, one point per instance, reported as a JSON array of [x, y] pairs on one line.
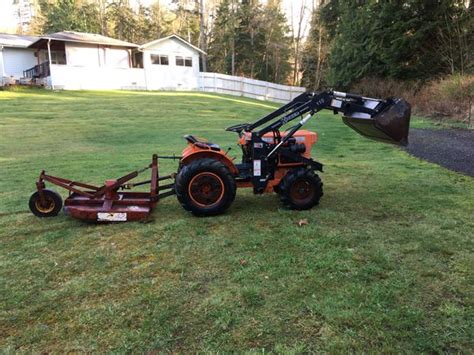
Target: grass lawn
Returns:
[[384, 265]]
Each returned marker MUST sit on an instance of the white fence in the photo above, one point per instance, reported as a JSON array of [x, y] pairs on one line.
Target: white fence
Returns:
[[255, 89]]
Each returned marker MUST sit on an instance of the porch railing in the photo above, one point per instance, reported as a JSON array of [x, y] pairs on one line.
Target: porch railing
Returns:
[[38, 71]]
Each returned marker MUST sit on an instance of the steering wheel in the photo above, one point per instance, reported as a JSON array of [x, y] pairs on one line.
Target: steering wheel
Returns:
[[238, 127]]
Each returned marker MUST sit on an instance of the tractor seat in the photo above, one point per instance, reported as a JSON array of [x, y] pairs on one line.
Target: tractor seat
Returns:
[[199, 141]]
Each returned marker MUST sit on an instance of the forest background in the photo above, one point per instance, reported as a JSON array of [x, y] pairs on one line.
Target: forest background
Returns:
[[419, 49]]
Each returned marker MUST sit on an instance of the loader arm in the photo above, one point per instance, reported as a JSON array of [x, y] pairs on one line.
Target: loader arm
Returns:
[[383, 120]]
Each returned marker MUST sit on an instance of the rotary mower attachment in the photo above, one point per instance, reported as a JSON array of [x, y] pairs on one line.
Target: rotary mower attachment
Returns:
[[102, 203]]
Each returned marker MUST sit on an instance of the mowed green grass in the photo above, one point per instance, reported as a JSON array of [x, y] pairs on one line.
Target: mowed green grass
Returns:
[[383, 265]]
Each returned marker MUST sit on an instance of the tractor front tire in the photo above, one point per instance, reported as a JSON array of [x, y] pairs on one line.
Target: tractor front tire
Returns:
[[50, 207], [300, 189], [205, 187]]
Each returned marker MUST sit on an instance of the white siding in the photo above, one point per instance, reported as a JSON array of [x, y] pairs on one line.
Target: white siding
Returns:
[[91, 55], [15, 60], [171, 77], [2, 70], [117, 58], [82, 55], [97, 78]]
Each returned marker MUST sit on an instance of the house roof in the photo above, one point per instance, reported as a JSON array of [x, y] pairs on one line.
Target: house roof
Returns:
[[20, 41], [152, 43], [82, 37]]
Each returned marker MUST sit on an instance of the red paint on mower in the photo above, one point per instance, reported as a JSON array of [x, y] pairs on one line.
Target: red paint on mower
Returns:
[[106, 203]]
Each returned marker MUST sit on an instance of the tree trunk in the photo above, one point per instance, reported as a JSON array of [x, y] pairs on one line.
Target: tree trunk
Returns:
[[319, 63], [297, 42], [233, 57], [202, 35], [317, 82]]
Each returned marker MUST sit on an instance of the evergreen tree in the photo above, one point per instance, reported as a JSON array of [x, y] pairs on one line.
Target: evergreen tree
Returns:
[[250, 40], [116, 19], [413, 39], [186, 22], [159, 22], [389, 40], [123, 21], [314, 57], [276, 66], [354, 48], [221, 51], [69, 15]]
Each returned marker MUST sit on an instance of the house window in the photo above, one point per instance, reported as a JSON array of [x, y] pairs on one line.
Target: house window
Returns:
[[164, 60], [184, 61], [58, 58], [159, 59], [137, 61]]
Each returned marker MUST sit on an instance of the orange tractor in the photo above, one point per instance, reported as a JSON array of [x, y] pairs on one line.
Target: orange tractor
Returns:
[[207, 178]]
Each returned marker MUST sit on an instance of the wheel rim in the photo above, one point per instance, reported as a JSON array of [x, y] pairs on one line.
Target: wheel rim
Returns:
[[206, 189], [302, 191], [47, 207]]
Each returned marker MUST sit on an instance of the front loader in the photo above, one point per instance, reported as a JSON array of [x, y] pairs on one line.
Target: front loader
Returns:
[[207, 178]]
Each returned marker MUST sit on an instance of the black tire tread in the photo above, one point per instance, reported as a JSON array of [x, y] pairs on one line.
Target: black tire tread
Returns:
[[206, 164], [292, 176], [58, 203]]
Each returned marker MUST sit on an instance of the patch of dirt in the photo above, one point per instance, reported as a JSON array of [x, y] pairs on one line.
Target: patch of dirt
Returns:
[[450, 148]]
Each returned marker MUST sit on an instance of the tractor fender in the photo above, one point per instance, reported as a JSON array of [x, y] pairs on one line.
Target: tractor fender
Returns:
[[192, 153]]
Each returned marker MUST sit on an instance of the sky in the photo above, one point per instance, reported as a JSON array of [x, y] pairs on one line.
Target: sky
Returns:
[[7, 21], [291, 8]]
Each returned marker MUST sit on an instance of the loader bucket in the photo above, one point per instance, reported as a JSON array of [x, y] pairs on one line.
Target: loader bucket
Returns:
[[391, 125]]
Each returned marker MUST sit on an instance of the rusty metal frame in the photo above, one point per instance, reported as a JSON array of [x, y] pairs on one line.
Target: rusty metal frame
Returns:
[[88, 202]]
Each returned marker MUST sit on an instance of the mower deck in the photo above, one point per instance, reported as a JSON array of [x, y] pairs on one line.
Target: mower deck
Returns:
[[124, 206], [105, 203]]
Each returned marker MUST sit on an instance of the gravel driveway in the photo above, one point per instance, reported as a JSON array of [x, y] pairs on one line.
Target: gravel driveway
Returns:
[[451, 148]]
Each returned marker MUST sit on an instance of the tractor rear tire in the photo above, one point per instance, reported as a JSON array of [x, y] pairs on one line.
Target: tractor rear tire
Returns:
[[300, 189], [205, 187], [50, 208]]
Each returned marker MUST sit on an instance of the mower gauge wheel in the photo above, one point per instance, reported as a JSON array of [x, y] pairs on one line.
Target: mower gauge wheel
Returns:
[[300, 189], [51, 205], [205, 187]]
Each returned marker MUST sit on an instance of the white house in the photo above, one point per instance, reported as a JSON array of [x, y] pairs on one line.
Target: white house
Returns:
[[86, 61], [15, 56], [170, 63], [77, 61]]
